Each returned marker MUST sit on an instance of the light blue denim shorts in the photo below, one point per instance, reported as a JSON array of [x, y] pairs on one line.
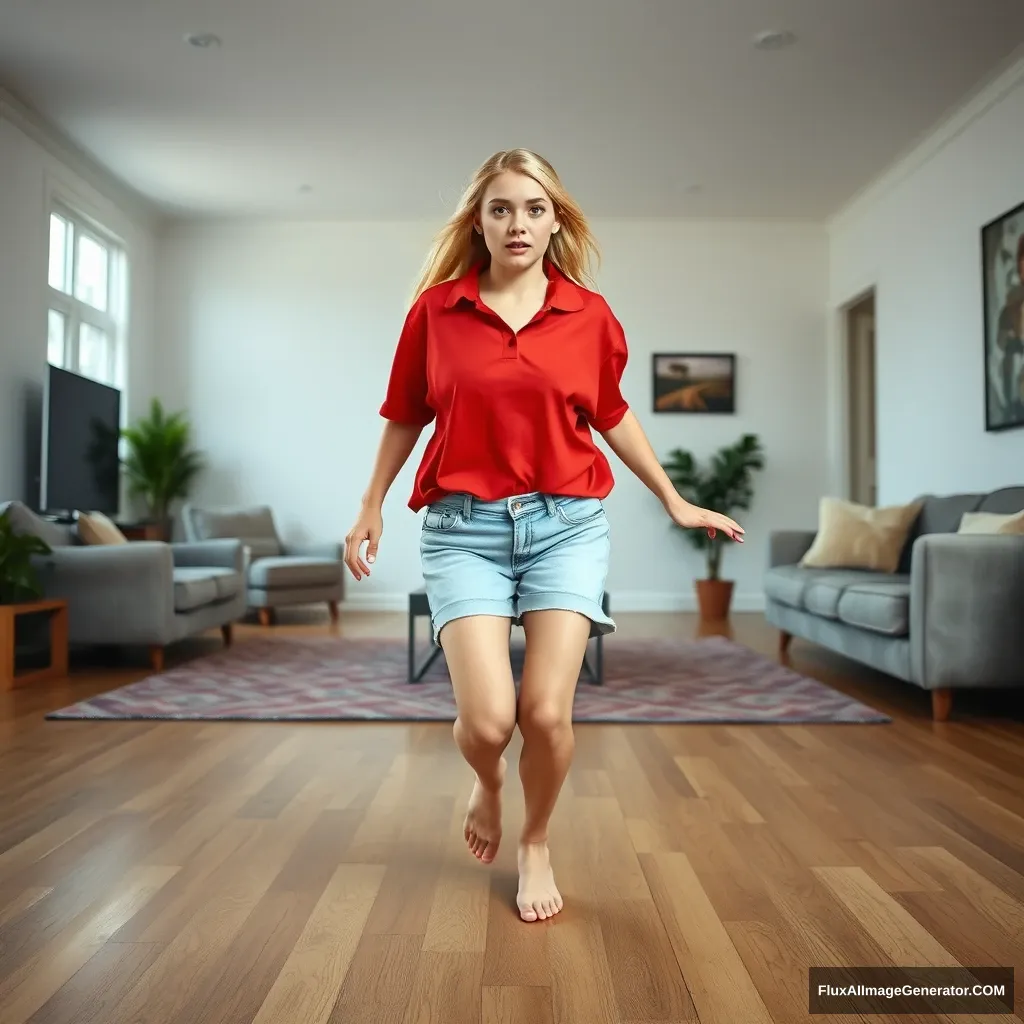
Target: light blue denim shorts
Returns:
[[520, 554]]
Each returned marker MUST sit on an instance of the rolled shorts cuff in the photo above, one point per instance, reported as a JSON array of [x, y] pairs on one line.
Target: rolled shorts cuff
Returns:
[[600, 623], [471, 606]]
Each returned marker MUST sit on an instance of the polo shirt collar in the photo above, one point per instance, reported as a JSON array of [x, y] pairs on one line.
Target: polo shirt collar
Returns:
[[562, 293]]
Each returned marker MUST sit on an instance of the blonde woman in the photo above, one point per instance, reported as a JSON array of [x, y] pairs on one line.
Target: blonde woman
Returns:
[[515, 359]]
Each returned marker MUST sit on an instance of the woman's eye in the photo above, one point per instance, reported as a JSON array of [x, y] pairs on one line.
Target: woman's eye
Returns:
[[539, 210]]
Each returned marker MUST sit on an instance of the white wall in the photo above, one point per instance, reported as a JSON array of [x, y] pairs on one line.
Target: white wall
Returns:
[[915, 237], [35, 166], [278, 341]]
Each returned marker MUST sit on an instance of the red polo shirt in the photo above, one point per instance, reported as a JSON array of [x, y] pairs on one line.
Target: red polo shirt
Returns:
[[513, 412]]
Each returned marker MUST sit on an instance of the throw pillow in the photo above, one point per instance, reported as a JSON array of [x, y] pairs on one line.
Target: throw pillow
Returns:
[[96, 528], [853, 536], [991, 522]]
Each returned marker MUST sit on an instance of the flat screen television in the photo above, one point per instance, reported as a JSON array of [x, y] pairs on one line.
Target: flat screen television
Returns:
[[81, 429]]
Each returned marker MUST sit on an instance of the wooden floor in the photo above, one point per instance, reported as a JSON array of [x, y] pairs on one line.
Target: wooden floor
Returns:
[[224, 873]]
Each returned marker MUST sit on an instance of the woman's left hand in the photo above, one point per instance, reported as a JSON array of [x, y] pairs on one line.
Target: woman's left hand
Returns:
[[693, 518]]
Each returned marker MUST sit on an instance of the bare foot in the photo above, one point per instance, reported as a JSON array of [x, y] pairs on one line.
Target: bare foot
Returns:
[[538, 897], [482, 828]]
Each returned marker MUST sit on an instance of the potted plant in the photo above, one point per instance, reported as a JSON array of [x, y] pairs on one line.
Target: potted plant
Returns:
[[161, 464], [725, 485], [19, 580]]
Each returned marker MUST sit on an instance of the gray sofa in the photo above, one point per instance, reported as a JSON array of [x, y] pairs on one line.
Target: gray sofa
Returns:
[[950, 617], [147, 592], [277, 573]]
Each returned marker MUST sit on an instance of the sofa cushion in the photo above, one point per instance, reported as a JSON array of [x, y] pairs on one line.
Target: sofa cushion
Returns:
[[291, 572], [24, 521], [882, 607], [254, 527], [878, 601], [197, 586], [992, 522], [193, 588], [1006, 500], [96, 528], [786, 584], [855, 536]]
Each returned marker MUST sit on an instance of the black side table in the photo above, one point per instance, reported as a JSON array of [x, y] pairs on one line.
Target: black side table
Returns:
[[420, 607]]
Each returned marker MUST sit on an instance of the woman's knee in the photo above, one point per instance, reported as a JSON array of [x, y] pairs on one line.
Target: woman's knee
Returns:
[[545, 719], [487, 729]]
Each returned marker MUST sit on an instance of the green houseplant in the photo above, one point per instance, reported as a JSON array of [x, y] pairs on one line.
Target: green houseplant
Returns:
[[161, 465], [724, 485], [19, 581]]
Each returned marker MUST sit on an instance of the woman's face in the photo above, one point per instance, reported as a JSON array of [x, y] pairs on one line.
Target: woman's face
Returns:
[[517, 220]]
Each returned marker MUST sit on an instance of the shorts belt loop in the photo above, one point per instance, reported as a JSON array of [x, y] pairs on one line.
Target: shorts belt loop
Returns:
[[467, 507], [550, 502]]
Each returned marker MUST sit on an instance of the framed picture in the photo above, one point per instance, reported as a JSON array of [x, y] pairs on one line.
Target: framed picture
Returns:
[[1002, 255], [698, 382]]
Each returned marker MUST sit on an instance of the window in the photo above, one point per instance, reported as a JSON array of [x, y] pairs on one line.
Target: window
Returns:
[[87, 278]]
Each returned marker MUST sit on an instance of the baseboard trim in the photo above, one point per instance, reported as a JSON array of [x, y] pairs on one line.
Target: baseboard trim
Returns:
[[621, 601]]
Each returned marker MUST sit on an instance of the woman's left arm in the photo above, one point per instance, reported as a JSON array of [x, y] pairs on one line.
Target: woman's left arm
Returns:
[[629, 442]]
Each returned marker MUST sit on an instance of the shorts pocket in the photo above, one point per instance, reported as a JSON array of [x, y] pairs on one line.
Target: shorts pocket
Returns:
[[577, 511], [440, 519]]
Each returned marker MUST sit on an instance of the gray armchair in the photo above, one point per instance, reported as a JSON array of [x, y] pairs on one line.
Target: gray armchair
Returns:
[[277, 573], [144, 592]]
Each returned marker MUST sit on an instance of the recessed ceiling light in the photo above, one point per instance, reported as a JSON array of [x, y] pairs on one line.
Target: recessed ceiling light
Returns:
[[774, 39], [202, 40]]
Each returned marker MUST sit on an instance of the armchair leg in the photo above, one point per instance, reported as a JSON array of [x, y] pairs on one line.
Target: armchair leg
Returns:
[[266, 616], [227, 631], [156, 658], [942, 704], [332, 607], [784, 641]]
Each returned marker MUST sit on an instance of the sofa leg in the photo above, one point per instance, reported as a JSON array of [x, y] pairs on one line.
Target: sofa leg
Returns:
[[156, 658], [332, 607], [227, 631], [266, 616], [784, 641], [942, 704]]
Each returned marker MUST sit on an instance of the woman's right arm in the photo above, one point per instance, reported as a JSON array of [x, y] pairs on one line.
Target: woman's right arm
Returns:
[[396, 445]]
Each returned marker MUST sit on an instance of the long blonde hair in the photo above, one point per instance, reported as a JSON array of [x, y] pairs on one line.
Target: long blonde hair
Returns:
[[458, 246]]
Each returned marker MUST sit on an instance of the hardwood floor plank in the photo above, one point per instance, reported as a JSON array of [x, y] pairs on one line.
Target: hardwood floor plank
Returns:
[[646, 978], [720, 986], [516, 1005], [379, 982], [311, 979]]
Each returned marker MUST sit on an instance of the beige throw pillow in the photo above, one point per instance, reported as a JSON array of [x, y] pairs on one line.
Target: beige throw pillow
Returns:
[[96, 528], [853, 536], [991, 522]]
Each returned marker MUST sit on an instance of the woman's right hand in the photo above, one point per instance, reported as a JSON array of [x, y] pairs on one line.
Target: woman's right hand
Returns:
[[368, 527]]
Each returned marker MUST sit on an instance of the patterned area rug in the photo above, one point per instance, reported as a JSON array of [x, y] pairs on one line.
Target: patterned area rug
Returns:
[[341, 679]]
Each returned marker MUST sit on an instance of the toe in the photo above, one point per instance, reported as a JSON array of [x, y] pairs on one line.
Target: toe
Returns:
[[528, 913]]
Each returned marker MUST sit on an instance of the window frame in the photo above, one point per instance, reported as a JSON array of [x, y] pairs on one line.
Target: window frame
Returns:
[[76, 312]]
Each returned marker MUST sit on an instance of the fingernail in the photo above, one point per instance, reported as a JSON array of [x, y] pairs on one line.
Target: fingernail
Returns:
[[370, 559]]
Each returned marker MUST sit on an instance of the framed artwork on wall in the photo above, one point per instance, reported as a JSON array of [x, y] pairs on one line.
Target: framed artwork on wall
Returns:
[[1002, 255], [694, 382]]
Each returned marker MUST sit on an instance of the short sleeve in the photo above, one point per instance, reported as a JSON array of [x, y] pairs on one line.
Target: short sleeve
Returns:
[[610, 406], [405, 400]]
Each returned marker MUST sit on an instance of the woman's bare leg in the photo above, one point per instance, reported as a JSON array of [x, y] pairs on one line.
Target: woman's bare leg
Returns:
[[476, 649], [556, 642]]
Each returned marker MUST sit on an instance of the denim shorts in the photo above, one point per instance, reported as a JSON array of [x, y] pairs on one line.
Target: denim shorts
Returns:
[[519, 554]]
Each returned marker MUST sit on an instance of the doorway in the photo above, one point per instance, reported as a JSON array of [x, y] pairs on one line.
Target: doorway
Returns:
[[862, 481]]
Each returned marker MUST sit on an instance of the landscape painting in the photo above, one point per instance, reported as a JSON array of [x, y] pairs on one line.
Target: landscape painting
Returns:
[[699, 382]]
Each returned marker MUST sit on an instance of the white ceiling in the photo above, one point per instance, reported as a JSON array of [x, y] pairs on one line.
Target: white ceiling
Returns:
[[385, 107]]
